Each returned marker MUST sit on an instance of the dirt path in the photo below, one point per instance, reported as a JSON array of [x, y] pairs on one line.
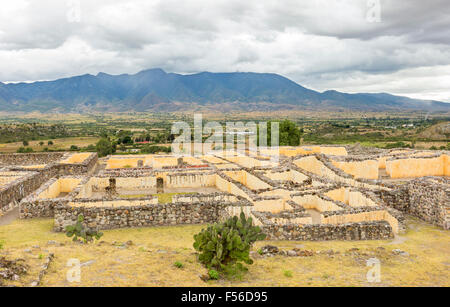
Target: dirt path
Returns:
[[9, 217]]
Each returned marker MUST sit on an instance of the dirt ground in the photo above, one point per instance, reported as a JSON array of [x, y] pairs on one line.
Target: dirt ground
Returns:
[[418, 257]]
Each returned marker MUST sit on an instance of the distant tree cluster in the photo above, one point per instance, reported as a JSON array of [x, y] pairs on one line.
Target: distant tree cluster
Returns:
[[289, 133]]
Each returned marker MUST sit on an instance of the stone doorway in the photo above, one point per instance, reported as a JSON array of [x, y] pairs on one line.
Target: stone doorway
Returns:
[[159, 185], [111, 190]]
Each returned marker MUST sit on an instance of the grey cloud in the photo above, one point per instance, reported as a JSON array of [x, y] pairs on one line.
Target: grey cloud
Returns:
[[322, 44]]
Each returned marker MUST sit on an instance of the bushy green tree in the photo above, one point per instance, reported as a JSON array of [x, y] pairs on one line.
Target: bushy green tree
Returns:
[[289, 133], [104, 147], [225, 246]]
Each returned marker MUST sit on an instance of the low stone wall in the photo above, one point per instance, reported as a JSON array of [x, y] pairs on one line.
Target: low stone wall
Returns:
[[142, 216], [348, 232]]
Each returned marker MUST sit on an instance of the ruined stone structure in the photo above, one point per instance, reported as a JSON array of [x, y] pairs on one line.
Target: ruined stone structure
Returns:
[[309, 193], [21, 174]]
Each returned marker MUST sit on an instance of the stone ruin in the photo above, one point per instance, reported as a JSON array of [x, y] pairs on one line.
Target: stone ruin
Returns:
[[309, 193]]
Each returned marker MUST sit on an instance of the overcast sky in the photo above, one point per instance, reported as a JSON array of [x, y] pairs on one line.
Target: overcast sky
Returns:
[[322, 44]]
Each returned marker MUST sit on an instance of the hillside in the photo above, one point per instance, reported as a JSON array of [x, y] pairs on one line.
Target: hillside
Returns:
[[156, 90]]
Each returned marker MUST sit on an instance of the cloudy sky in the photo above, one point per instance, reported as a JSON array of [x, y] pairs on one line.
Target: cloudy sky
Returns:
[[401, 47]]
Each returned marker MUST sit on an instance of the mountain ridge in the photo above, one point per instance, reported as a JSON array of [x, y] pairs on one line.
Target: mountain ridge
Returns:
[[156, 90]]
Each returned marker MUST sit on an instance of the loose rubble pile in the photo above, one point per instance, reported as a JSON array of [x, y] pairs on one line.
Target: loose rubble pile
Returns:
[[12, 269]]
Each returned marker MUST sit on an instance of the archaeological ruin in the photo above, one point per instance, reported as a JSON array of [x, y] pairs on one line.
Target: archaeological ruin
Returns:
[[293, 193]]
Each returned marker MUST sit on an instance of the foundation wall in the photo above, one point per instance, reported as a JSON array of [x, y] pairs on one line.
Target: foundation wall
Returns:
[[362, 217], [346, 232], [141, 216]]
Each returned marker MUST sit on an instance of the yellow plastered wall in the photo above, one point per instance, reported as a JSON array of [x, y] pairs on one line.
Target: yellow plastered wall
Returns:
[[195, 198], [271, 205], [315, 202], [195, 180], [247, 179], [357, 199], [213, 160], [382, 162], [313, 165], [279, 176], [192, 161], [291, 175], [245, 161], [285, 194], [416, 167], [228, 187], [62, 185], [338, 195], [160, 162], [122, 163], [351, 198], [360, 169], [236, 211], [305, 150], [446, 165]]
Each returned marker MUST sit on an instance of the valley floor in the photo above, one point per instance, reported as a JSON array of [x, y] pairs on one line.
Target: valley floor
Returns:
[[148, 260]]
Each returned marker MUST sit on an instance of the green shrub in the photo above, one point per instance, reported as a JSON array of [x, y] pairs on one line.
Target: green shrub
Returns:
[[178, 264], [225, 246], [213, 274], [288, 274], [25, 150], [79, 231]]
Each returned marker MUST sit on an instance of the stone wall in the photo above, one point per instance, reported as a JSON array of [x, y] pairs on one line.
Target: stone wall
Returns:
[[142, 216], [84, 167], [36, 206], [430, 200], [15, 191], [348, 232], [30, 158], [397, 198]]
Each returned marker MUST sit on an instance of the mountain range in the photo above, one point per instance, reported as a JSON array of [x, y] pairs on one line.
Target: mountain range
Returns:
[[157, 91]]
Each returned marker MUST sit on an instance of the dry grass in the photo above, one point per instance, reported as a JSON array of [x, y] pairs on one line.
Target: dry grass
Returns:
[[58, 144], [150, 260]]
